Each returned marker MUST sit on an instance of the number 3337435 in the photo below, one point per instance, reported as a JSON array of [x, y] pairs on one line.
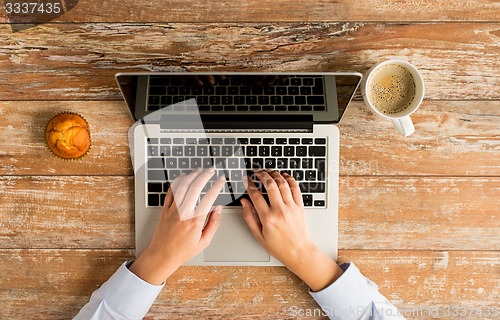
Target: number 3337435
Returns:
[[33, 8]]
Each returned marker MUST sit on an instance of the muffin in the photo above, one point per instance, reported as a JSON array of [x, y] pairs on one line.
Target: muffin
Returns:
[[68, 136]]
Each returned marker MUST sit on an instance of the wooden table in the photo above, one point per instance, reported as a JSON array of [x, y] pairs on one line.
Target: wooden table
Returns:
[[418, 215]]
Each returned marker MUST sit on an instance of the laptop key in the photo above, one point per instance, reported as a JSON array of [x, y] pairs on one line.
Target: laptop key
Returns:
[[318, 87], [183, 163], [317, 151], [233, 163], [154, 187], [202, 151], [152, 151], [307, 163], [315, 100], [307, 141], [270, 163], [227, 151], [298, 175], [166, 186], [195, 163], [301, 151], [189, 151], [157, 175], [320, 165], [295, 163], [171, 163], [264, 151], [153, 200], [155, 163], [263, 100], [257, 163], [310, 175], [268, 140], [312, 187], [319, 203], [251, 151], [281, 91], [172, 174], [282, 163], [276, 151], [308, 81]]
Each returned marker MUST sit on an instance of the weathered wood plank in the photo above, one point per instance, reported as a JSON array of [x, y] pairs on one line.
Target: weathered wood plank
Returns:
[[55, 284], [459, 138], [374, 213], [453, 138], [78, 61], [23, 150], [279, 11]]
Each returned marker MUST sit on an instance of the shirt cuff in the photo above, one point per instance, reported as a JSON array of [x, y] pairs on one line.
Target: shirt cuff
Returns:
[[352, 293], [128, 294]]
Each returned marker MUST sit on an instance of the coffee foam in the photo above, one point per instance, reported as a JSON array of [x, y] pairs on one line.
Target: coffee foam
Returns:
[[392, 89]]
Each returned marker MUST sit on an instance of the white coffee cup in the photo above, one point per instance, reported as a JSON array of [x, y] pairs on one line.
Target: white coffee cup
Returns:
[[400, 115]]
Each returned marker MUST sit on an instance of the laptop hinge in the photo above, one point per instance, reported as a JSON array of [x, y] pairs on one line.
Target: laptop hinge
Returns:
[[248, 121]]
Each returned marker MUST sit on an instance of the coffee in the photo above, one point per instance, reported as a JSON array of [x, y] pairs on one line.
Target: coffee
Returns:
[[392, 89]]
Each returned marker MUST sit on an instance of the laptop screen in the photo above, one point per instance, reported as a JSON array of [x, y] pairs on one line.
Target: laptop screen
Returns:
[[325, 96]]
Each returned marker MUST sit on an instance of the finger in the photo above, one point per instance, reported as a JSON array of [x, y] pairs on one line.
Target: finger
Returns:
[[251, 219], [209, 80], [283, 187], [269, 80], [211, 227], [272, 188], [194, 191], [180, 189], [294, 189], [169, 199], [209, 198], [196, 80], [258, 200], [173, 186]]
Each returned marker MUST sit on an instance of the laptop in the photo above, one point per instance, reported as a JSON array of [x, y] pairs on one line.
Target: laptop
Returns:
[[237, 123]]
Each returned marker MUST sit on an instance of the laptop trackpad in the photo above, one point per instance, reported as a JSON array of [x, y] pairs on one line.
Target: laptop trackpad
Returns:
[[234, 242]]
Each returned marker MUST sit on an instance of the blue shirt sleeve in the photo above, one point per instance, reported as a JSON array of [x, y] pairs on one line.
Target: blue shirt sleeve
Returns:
[[354, 297], [124, 296]]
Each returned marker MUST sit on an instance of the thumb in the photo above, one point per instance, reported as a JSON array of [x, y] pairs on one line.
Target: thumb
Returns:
[[211, 226], [252, 220]]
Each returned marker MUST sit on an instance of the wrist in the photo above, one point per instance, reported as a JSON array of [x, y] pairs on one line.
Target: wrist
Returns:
[[153, 268], [315, 268]]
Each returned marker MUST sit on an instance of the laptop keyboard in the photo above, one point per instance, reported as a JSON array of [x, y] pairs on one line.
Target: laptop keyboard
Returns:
[[302, 158], [296, 93]]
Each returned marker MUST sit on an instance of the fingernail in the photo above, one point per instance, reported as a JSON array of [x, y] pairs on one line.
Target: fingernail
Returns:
[[211, 169], [219, 210], [243, 204]]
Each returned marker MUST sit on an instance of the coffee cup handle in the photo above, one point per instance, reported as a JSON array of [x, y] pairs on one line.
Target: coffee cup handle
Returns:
[[404, 125]]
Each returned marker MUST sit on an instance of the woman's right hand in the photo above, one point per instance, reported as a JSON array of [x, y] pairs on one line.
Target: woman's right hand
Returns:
[[281, 228]]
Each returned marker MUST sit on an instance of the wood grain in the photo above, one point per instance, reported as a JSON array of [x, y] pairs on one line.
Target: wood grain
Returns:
[[279, 11], [79, 61], [458, 138], [374, 213], [55, 284]]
